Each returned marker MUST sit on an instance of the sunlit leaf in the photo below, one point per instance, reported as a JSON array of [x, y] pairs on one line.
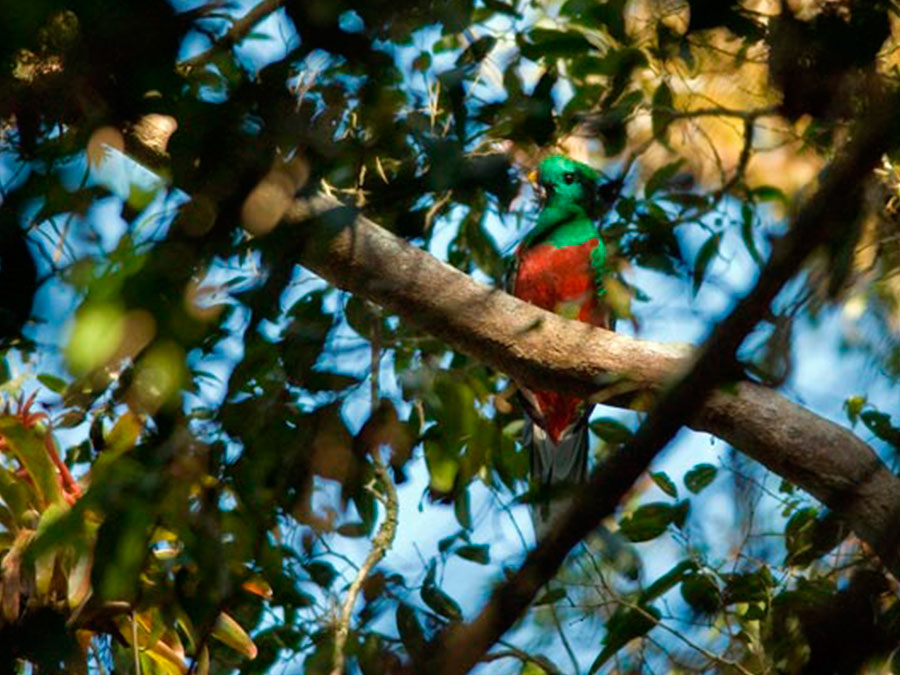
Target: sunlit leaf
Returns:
[[230, 632], [52, 382], [29, 448], [664, 483], [853, 406]]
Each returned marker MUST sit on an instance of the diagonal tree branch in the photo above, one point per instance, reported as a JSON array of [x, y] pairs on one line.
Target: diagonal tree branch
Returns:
[[545, 350], [539, 348]]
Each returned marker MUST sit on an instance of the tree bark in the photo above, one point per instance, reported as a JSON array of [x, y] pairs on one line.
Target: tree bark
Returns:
[[544, 350]]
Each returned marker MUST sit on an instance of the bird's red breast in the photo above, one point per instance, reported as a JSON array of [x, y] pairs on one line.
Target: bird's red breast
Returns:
[[562, 281]]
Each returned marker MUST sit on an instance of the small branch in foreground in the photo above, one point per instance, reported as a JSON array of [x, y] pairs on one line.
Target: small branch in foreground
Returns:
[[515, 653], [546, 351], [383, 540]]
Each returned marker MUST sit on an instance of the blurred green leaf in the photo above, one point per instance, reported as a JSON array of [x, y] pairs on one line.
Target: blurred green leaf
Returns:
[[611, 430], [651, 520], [322, 573], [662, 114], [879, 423], [625, 625], [664, 483], [700, 477], [668, 581], [704, 256], [29, 448], [661, 177], [477, 553], [436, 599], [701, 592]]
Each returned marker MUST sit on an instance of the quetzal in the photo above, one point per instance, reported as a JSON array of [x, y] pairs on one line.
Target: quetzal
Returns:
[[560, 266]]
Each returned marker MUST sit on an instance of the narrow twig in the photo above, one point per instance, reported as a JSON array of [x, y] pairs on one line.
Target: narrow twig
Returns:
[[134, 644], [713, 658], [385, 536], [562, 636], [512, 652], [743, 160], [238, 31]]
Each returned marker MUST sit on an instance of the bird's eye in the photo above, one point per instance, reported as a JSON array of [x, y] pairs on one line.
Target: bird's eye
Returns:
[[569, 178]]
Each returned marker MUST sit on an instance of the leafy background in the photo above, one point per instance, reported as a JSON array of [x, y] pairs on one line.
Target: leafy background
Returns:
[[217, 401]]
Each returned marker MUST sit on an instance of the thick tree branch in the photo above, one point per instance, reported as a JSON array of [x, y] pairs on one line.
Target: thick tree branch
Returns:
[[545, 350], [353, 254]]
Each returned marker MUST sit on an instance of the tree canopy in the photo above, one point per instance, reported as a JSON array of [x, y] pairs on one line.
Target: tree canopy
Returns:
[[258, 374]]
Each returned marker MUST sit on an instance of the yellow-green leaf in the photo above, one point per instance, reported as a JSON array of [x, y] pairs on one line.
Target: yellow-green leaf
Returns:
[[46, 562], [17, 494], [229, 631], [79, 586], [123, 436], [28, 447]]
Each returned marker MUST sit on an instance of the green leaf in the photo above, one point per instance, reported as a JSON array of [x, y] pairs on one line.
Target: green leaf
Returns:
[[651, 520], [661, 176], [879, 423], [422, 62], [462, 508], [667, 581], [53, 383], [625, 625], [230, 632], [798, 532], [662, 115], [748, 587], [700, 477], [322, 573], [747, 233], [664, 483], [410, 630], [769, 193], [701, 592], [477, 553], [16, 493], [29, 448], [551, 597], [611, 430], [809, 535], [436, 599], [445, 543], [353, 530], [549, 43], [704, 257]]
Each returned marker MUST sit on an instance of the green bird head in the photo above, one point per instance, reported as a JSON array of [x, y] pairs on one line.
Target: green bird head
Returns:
[[564, 182], [569, 192]]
